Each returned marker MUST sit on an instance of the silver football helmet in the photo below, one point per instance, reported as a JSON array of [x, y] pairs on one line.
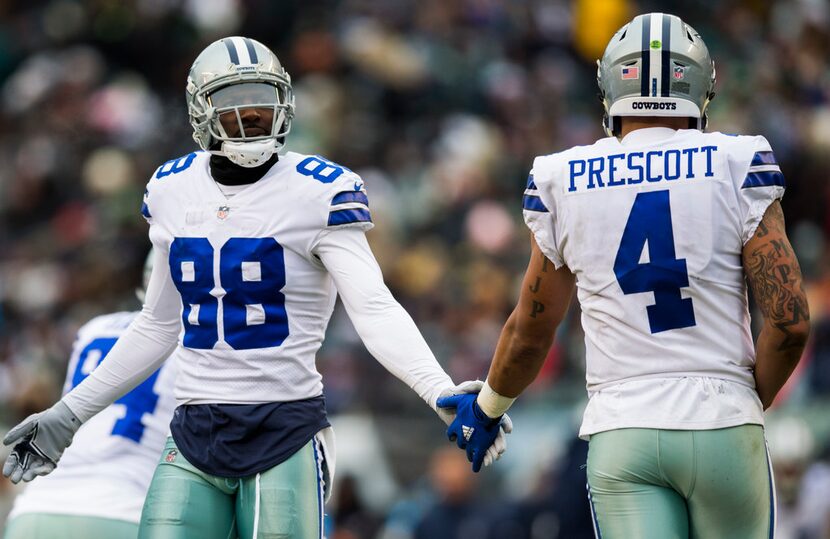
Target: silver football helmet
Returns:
[[656, 65], [229, 77]]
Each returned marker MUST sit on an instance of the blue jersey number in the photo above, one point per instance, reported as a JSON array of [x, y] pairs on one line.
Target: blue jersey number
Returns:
[[141, 400], [174, 166], [252, 275], [320, 169], [664, 274]]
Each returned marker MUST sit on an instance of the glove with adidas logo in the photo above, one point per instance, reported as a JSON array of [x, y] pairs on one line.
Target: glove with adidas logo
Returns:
[[473, 430]]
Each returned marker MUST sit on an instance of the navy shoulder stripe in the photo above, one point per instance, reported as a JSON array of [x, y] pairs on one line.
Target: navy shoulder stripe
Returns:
[[145, 211], [763, 158], [530, 183], [533, 203], [344, 217], [350, 196], [763, 179]]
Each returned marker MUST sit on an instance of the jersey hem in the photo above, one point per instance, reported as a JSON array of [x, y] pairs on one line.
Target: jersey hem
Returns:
[[32, 511], [585, 433]]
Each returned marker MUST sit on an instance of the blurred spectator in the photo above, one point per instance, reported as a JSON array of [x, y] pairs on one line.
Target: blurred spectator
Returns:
[[458, 511], [352, 520]]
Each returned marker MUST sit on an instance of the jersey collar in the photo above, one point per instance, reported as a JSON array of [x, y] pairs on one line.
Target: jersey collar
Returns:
[[646, 135]]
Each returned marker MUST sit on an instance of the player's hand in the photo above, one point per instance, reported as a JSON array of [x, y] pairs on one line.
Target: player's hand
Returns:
[[39, 442], [481, 436], [447, 415]]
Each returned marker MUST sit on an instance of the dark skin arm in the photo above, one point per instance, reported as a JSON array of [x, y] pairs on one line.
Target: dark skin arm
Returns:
[[774, 276], [528, 333]]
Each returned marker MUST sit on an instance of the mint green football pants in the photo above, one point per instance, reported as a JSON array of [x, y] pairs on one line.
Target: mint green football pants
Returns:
[[679, 484], [56, 526], [284, 502]]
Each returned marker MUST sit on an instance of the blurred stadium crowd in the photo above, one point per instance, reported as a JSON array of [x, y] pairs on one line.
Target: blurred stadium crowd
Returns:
[[441, 106]]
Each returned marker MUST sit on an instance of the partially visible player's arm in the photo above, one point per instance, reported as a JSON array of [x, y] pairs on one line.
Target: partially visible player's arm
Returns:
[[40, 440], [774, 275], [385, 328], [528, 334]]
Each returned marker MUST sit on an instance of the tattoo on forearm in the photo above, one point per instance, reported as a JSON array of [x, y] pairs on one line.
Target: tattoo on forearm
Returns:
[[535, 286], [538, 308], [775, 277], [545, 264]]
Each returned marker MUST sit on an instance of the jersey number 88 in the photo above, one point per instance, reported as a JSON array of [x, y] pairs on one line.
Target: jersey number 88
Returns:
[[251, 274]]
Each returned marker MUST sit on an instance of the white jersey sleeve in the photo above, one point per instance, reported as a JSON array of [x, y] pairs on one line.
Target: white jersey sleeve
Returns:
[[758, 181], [349, 203], [107, 470], [140, 350], [385, 327], [539, 212]]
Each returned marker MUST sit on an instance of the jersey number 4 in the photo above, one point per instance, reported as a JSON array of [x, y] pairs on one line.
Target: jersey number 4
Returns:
[[251, 274], [141, 400], [664, 274]]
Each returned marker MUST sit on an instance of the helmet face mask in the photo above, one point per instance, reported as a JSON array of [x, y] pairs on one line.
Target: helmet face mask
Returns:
[[656, 65], [230, 77]]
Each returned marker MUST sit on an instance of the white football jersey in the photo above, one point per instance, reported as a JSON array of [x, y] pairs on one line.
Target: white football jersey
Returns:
[[653, 227], [107, 470], [255, 299]]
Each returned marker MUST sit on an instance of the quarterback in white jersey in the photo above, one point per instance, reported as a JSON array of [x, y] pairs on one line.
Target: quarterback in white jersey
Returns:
[[104, 476], [251, 250], [659, 227]]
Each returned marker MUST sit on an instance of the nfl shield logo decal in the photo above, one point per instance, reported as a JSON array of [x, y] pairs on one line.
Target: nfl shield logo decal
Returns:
[[171, 455], [679, 72], [222, 212]]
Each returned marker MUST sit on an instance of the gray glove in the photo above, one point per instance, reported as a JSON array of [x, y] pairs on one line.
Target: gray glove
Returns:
[[39, 442], [447, 415]]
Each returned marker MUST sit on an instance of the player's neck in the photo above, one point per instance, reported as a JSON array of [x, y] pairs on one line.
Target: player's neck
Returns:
[[227, 173], [632, 123]]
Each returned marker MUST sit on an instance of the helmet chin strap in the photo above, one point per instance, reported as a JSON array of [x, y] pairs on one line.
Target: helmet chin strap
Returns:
[[249, 154]]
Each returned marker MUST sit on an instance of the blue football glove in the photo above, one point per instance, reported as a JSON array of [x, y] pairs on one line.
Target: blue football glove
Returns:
[[472, 429]]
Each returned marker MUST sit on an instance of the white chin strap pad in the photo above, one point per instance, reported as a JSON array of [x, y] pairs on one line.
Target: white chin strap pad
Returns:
[[249, 154]]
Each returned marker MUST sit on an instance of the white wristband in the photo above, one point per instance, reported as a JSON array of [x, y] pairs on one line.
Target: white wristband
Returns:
[[491, 403]]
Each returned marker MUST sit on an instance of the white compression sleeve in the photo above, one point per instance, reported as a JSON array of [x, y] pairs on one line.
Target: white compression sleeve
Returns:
[[141, 350], [386, 329]]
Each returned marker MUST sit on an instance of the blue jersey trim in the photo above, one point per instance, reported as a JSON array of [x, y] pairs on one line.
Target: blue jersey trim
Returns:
[[763, 158], [145, 211], [763, 179], [350, 196], [344, 217], [533, 203], [530, 183]]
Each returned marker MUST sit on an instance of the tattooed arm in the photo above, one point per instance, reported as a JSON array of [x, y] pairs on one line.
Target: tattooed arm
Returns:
[[528, 333], [775, 278]]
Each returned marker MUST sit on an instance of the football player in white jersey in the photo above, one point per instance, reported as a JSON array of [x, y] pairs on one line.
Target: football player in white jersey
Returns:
[[659, 227], [103, 478], [252, 249]]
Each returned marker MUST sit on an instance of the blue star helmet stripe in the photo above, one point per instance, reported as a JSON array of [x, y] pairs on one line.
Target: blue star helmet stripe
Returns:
[[231, 51]]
